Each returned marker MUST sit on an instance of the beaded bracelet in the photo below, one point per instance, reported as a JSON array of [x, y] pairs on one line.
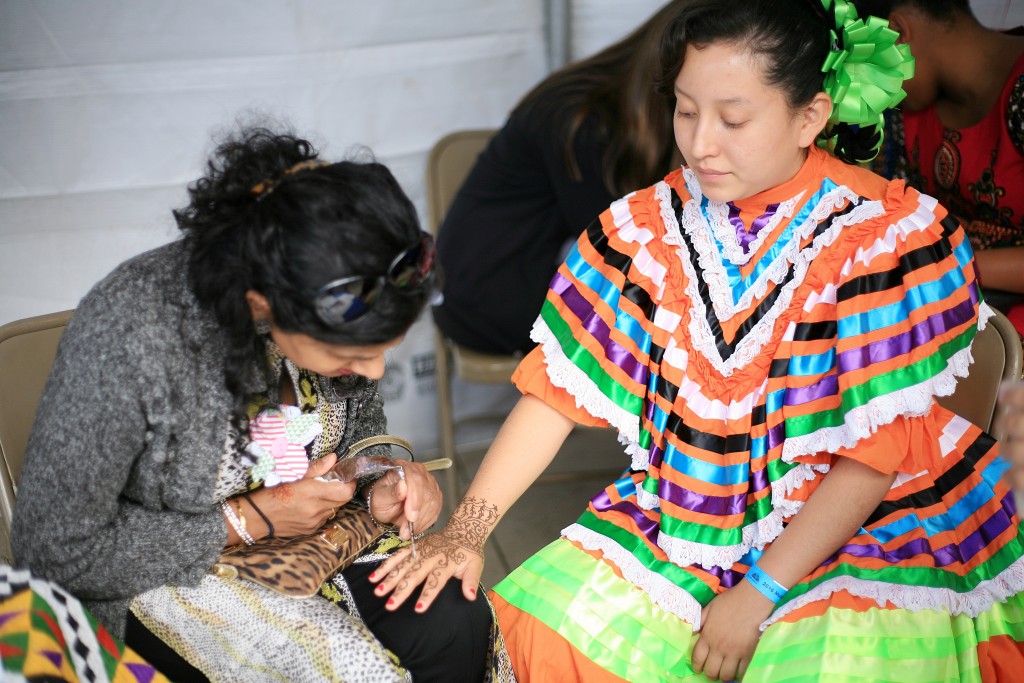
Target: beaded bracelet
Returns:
[[369, 508], [765, 585], [236, 523]]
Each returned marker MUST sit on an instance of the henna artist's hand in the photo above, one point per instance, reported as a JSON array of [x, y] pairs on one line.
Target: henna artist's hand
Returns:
[[455, 551], [730, 629], [399, 500], [301, 507]]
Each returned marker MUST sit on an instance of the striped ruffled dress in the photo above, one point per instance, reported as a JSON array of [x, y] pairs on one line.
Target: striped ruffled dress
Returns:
[[738, 349]]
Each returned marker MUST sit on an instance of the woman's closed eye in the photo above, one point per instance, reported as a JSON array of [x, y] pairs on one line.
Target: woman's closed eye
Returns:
[[733, 124]]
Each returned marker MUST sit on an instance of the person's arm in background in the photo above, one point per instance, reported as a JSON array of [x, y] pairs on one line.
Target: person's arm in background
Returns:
[[1001, 268], [1010, 422]]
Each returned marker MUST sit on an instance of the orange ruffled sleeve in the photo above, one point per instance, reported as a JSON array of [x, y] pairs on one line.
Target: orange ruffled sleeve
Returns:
[[531, 378]]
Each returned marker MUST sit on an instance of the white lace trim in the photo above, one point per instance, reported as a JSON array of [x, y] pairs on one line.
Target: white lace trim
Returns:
[[755, 535], [863, 421], [564, 374], [725, 232], [1009, 582], [702, 339], [662, 592]]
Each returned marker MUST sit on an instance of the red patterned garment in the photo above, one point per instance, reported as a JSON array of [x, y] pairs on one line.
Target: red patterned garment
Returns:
[[977, 173]]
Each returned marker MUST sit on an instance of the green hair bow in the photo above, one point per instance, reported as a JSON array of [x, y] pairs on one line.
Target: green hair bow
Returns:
[[864, 75]]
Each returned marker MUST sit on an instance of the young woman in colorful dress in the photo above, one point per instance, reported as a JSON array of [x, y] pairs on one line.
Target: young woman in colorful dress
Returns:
[[767, 330]]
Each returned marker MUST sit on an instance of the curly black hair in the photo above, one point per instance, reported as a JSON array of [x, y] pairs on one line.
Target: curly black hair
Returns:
[[319, 224]]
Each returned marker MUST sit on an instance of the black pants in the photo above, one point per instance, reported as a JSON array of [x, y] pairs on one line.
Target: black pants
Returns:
[[448, 643]]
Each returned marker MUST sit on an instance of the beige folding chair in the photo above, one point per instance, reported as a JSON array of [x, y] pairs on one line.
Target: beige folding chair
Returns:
[[998, 355], [27, 350], [449, 162]]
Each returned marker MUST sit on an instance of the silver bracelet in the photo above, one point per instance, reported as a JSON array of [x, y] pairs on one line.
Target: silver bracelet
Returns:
[[237, 524]]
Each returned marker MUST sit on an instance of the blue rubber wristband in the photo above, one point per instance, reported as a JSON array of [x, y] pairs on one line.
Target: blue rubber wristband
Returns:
[[765, 585]]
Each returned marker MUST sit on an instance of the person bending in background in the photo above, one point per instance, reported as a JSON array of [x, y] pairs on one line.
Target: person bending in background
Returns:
[[585, 135], [960, 133]]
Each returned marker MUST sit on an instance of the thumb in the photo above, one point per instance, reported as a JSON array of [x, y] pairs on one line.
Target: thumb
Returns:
[[471, 580], [320, 467]]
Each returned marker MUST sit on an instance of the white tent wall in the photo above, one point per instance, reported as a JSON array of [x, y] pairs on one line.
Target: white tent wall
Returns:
[[107, 109]]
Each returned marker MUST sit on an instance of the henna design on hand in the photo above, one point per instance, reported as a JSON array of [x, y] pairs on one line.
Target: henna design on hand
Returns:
[[472, 520], [465, 534], [282, 492]]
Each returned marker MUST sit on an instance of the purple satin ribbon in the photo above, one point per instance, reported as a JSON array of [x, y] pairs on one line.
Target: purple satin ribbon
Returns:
[[746, 237]]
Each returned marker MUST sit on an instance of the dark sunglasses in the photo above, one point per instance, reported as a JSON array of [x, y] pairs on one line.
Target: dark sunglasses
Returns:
[[345, 299]]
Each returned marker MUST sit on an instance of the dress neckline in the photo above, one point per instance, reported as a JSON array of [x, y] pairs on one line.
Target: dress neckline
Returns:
[[809, 171]]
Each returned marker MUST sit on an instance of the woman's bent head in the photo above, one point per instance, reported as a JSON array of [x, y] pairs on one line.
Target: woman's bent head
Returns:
[[782, 72], [334, 249]]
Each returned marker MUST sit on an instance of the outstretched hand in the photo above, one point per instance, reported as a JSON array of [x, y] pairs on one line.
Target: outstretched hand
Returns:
[[456, 551]]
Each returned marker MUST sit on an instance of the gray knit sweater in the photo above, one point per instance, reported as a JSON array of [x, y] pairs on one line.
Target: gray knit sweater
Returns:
[[116, 495]]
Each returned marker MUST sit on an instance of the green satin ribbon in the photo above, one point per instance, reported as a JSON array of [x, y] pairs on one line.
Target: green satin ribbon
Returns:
[[850, 646], [880, 385], [591, 366], [865, 76], [602, 615], [930, 577]]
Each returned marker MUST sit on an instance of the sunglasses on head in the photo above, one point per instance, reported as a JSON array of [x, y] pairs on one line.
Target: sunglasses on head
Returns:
[[345, 299]]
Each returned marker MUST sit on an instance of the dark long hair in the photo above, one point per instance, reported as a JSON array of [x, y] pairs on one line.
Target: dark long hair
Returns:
[[615, 86], [314, 226], [790, 38]]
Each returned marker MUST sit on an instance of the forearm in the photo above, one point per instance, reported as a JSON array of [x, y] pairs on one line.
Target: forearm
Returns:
[[1000, 268], [847, 495], [524, 447]]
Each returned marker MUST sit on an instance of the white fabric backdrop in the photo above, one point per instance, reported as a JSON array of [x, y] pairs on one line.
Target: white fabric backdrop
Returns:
[[107, 108]]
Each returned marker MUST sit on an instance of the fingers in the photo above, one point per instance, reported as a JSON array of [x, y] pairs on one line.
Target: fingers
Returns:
[[700, 655], [742, 671], [1011, 394], [321, 466], [333, 494], [423, 500], [432, 573]]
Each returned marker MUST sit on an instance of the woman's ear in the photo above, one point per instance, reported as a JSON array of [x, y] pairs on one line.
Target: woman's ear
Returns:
[[899, 22], [814, 117], [258, 305]]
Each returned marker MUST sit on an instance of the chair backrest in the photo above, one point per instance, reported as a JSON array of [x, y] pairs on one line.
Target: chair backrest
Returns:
[[998, 355], [27, 350], [449, 162]]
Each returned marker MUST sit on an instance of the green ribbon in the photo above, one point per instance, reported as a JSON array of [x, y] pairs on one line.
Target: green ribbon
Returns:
[[864, 76]]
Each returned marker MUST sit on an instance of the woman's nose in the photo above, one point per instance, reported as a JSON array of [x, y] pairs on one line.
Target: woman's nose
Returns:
[[704, 143], [372, 367]]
